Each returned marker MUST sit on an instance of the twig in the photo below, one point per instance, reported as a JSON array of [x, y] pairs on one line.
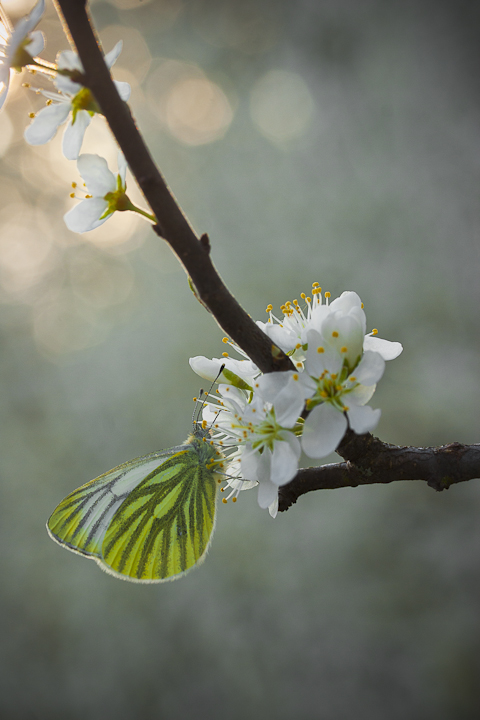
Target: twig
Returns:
[[370, 461]]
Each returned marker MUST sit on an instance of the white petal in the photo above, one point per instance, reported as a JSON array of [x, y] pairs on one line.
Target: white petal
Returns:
[[289, 403], [68, 60], [74, 134], [206, 368], [256, 466], [363, 419], [370, 368], [36, 44], [317, 362], [285, 393], [323, 431], [98, 178], [44, 125], [123, 89], [35, 14], [340, 331], [285, 460], [346, 302], [285, 339], [112, 56], [267, 493], [361, 394], [387, 349], [273, 508], [85, 216]]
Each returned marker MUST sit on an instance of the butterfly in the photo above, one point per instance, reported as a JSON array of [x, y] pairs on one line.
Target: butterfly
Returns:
[[150, 519]]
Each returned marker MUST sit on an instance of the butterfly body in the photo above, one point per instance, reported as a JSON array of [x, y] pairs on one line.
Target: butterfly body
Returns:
[[148, 520]]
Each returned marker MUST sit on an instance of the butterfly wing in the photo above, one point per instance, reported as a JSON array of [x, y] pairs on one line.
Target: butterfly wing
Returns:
[[164, 526], [79, 522]]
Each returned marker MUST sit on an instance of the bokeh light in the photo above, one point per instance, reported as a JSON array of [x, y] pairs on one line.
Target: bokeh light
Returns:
[[281, 105], [194, 109]]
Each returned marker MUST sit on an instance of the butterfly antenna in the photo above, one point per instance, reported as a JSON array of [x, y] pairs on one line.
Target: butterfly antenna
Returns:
[[201, 395]]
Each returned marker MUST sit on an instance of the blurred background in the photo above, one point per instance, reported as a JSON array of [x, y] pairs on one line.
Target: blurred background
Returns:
[[322, 140]]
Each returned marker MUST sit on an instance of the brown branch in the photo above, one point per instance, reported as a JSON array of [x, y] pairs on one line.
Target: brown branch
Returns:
[[370, 461], [172, 225]]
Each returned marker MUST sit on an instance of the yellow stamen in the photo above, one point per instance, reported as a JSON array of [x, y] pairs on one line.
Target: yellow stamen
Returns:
[[343, 349], [31, 115], [225, 354], [320, 350], [335, 334], [374, 331], [328, 294]]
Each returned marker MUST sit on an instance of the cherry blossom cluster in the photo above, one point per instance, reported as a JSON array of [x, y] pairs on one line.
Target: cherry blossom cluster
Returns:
[[264, 421], [70, 104]]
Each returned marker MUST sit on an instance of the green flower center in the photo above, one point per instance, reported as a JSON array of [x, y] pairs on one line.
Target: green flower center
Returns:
[[84, 100]]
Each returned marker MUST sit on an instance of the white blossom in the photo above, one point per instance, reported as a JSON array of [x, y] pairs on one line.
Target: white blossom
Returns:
[[73, 103], [259, 449], [262, 420], [20, 47], [106, 193]]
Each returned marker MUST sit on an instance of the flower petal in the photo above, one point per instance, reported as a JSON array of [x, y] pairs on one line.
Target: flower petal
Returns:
[[45, 123], [324, 429], [320, 356], [363, 419], [387, 349], [370, 368], [267, 492], [85, 216], [286, 394], [98, 178], [36, 44], [123, 89], [74, 134], [112, 56], [68, 60], [273, 508], [285, 459], [255, 465]]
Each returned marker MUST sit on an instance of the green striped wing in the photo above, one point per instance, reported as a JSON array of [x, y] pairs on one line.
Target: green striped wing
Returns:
[[148, 520], [80, 521], [163, 528]]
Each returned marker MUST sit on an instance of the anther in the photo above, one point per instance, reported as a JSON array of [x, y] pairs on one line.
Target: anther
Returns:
[[335, 334]]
